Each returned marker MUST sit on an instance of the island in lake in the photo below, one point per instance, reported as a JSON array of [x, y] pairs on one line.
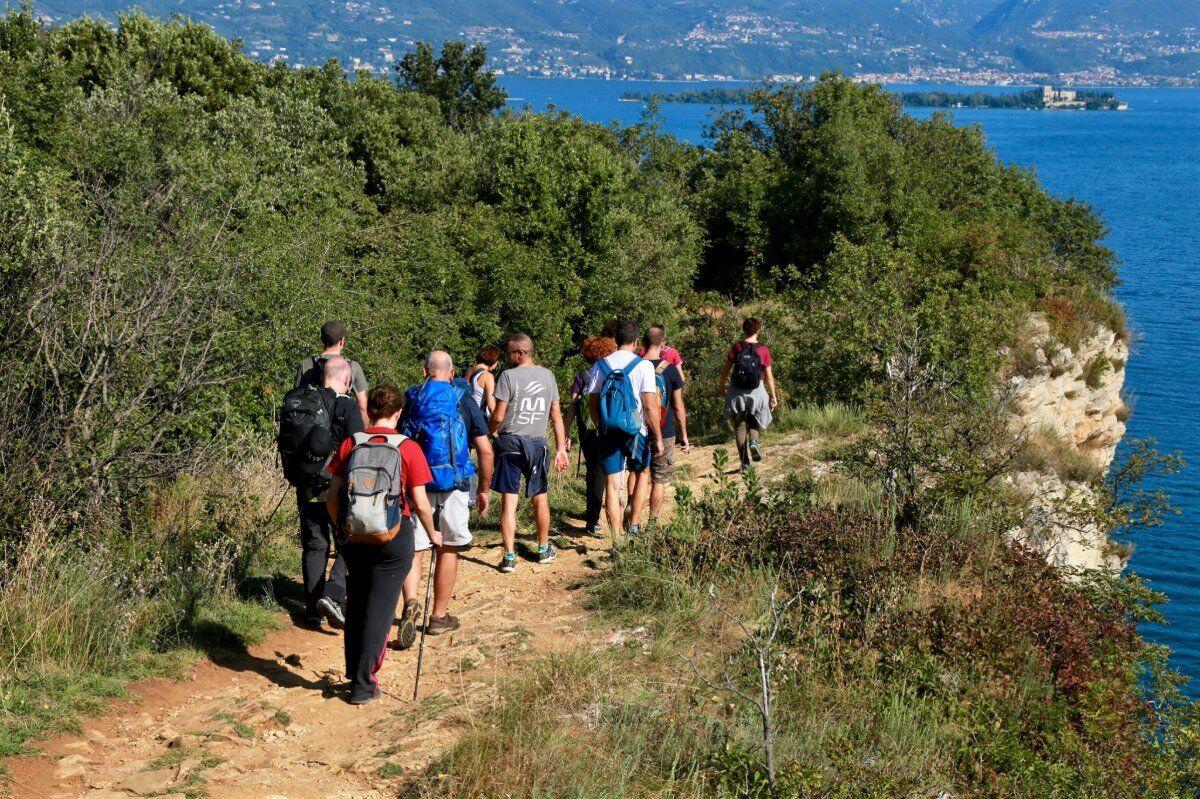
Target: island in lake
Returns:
[[1044, 97]]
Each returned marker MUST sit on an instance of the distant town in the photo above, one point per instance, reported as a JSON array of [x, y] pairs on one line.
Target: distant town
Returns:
[[726, 44]]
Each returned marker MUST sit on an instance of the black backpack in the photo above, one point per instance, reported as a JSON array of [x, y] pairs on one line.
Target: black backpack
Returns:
[[305, 438], [315, 374], [747, 365]]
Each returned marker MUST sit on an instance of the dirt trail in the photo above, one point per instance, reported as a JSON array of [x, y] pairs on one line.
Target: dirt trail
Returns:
[[267, 724]]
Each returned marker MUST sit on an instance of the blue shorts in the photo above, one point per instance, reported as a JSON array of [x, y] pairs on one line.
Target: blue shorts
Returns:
[[518, 457], [618, 452]]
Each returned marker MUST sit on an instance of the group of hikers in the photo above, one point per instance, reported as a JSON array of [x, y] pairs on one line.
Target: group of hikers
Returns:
[[383, 476]]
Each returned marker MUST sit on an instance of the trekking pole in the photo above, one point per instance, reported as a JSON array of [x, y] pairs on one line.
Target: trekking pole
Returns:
[[579, 460], [424, 622]]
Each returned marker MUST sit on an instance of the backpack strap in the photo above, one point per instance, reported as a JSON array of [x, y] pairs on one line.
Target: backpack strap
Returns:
[[605, 367], [395, 439]]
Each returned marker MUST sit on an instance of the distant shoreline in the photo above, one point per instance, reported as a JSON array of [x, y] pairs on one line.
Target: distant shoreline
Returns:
[[1044, 98]]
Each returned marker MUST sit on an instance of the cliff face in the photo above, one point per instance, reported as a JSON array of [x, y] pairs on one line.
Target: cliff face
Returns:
[[1070, 404]]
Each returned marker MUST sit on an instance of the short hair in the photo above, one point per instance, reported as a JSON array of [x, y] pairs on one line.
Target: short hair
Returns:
[[522, 339], [627, 333], [439, 361], [596, 347], [332, 332], [337, 368], [610, 328], [751, 326], [655, 336], [384, 400], [488, 355]]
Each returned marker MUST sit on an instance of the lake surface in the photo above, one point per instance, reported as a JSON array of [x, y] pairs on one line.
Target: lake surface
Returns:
[[1141, 169]]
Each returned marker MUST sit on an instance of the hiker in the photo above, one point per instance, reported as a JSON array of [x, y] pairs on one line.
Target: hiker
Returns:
[[378, 484], [526, 399], [620, 387], [747, 404], [669, 382], [333, 339], [667, 353], [482, 379], [593, 349], [313, 424], [444, 420]]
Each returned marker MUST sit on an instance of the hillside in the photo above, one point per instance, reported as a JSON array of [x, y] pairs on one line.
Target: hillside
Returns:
[[1115, 41]]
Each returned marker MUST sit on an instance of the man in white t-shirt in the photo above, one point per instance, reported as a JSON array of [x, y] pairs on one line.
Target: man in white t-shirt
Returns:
[[619, 451]]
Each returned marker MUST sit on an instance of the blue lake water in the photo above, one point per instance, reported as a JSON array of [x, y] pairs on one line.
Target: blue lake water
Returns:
[[1141, 169]]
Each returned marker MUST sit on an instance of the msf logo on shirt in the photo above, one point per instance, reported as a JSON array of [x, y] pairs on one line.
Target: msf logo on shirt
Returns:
[[532, 405]]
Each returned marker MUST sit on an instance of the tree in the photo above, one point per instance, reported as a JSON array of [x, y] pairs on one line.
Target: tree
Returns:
[[466, 92]]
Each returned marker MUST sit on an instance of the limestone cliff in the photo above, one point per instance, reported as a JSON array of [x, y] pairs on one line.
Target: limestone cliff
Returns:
[[1069, 403]]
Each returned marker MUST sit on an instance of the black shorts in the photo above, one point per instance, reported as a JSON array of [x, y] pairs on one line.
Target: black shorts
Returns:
[[518, 457]]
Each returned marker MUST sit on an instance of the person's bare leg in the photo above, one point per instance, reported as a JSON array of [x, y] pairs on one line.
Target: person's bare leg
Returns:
[[412, 583], [541, 514], [638, 499], [508, 521], [445, 572], [658, 492], [612, 502]]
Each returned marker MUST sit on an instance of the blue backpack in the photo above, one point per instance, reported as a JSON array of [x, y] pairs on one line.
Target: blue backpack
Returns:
[[434, 422], [618, 405]]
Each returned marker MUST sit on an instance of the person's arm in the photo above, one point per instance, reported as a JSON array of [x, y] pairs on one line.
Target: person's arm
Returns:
[[424, 512], [680, 418], [353, 419], [771, 387], [333, 499], [488, 381], [483, 498], [361, 398], [724, 378], [569, 417], [594, 409], [497, 417], [560, 456], [650, 402]]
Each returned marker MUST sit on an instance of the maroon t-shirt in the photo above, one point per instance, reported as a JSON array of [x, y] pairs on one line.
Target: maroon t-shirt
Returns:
[[764, 354]]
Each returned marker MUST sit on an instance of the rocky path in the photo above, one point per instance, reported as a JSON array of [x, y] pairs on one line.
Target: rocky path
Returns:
[[268, 724]]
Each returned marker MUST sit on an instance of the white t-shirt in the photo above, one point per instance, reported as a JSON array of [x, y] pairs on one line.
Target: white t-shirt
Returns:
[[642, 378]]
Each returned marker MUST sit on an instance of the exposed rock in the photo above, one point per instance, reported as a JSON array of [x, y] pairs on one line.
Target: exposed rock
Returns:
[[146, 783], [71, 767]]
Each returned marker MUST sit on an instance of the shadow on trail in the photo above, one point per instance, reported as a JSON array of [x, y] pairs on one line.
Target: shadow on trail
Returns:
[[225, 648]]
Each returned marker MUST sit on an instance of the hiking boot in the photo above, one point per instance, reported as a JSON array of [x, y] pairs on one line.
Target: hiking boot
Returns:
[[745, 467], [408, 624], [332, 612], [441, 624], [313, 620], [755, 452], [508, 563], [546, 555], [596, 531], [633, 530]]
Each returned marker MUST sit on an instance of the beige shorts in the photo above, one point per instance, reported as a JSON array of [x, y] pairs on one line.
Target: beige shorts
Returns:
[[662, 467], [451, 512]]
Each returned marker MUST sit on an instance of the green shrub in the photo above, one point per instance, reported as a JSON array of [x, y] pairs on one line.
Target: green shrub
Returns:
[[1093, 371]]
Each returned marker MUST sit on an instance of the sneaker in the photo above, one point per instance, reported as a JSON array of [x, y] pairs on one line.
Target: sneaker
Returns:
[[596, 531], [633, 530], [548, 554], [745, 467], [755, 452], [408, 624], [332, 612], [441, 624], [313, 620], [508, 563]]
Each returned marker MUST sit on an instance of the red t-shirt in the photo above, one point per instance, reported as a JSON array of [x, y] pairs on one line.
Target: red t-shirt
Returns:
[[764, 354], [668, 354], [414, 469]]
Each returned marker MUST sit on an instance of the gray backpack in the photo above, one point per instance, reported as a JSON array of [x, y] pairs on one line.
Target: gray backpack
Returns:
[[372, 496]]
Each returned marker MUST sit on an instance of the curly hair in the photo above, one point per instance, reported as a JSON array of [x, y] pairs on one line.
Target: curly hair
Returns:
[[597, 347], [384, 401]]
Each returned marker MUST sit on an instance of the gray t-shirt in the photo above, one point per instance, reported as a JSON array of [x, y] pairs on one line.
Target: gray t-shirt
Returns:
[[358, 380], [529, 392]]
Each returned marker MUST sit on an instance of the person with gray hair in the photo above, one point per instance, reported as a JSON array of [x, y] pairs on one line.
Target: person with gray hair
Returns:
[[446, 422], [324, 597]]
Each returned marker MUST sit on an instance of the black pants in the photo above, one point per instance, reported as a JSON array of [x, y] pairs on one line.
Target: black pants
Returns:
[[375, 577], [594, 480], [315, 532]]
